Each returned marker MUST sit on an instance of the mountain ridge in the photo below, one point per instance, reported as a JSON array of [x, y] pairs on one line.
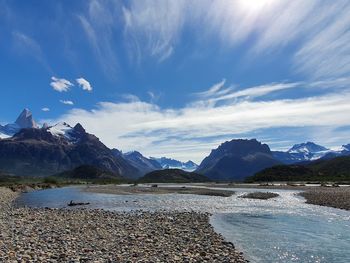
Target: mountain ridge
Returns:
[[38, 152], [236, 159], [336, 169], [169, 163], [27, 148]]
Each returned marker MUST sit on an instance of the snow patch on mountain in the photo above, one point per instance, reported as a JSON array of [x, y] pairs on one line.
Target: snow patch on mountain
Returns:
[[61, 129], [308, 151], [4, 135], [308, 147], [345, 148], [168, 163]]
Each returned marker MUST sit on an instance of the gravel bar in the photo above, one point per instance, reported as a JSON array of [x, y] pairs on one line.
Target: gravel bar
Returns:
[[260, 195], [59, 235], [337, 197], [160, 189]]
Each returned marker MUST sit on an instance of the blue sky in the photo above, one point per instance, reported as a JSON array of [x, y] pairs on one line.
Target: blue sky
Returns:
[[177, 78]]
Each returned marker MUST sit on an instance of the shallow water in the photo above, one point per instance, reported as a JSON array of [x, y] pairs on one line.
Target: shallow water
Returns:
[[283, 229]]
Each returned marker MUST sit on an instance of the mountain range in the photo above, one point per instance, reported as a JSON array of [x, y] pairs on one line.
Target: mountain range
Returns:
[[46, 151], [335, 169], [238, 159], [167, 163], [27, 149]]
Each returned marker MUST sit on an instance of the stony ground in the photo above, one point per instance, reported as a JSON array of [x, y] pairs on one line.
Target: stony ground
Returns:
[[48, 235], [338, 197]]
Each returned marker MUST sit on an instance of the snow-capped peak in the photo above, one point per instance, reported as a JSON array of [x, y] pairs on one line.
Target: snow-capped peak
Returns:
[[308, 147], [61, 129], [168, 163], [64, 130], [25, 120]]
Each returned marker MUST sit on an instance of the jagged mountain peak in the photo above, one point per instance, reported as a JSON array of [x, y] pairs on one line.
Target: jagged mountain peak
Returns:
[[64, 130], [45, 125], [236, 159], [240, 147], [307, 147], [79, 128], [25, 119]]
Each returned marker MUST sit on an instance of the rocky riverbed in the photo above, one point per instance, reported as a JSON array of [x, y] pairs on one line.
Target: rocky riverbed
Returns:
[[338, 197], [159, 189], [53, 235]]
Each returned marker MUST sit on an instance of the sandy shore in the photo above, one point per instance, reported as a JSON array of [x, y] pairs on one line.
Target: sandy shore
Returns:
[[338, 197], [127, 190], [49, 235]]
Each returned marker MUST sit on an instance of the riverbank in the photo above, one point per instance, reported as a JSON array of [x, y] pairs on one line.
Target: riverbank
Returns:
[[59, 235], [130, 190], [337, 197]]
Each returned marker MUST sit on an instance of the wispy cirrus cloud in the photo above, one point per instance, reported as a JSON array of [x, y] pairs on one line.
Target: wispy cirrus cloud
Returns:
[[45, 109], [154, 27], [219, 93], [318, 32], [196, 128], [27, 45], [60, 84], [326, 53], [99, 24]]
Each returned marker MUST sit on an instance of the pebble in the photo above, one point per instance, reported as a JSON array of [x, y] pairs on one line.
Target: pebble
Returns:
[[61, 235]]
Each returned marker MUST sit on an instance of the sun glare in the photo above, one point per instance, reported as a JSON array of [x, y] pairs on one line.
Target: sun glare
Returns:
[[255, 5]]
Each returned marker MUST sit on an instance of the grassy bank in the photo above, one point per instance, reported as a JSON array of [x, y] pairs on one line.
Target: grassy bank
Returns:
[[19, 183]]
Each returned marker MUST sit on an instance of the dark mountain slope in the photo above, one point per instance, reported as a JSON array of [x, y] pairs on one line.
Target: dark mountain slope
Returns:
[[237, 159], [143, 164], [88, 172], [336, 169], [40, 152]]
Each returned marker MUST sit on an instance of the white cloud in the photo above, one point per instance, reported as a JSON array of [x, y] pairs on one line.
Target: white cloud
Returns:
[[67, 102], [60, 85], [84, 84], [45, 109], [187, 131]]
